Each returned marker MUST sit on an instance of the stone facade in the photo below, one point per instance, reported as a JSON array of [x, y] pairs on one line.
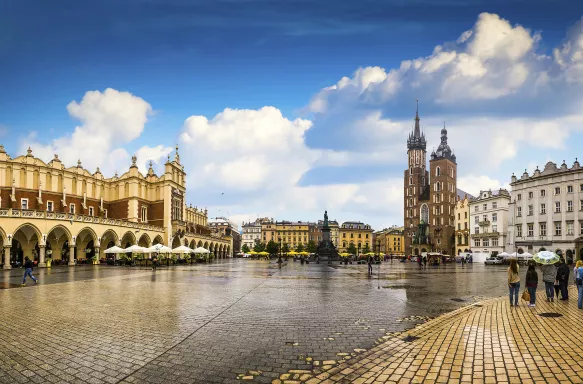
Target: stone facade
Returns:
[[429, 196], [75, 214], [462, 225], [489, 221], [225, 227], [252, 232], [548, 211]]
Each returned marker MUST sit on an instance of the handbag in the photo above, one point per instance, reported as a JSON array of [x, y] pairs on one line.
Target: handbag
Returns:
[[525, 295]]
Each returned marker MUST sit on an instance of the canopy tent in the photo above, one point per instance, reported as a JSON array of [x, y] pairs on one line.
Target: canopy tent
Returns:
[[304, 253], [293, 253], [504, 254], [114, 249], [201, 250]]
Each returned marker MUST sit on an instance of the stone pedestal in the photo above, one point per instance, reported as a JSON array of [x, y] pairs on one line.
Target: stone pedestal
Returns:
[[41, 257], [326, 251], [71, 255], [7, 257]]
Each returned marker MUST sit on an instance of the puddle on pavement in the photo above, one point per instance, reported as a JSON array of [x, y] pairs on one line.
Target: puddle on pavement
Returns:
[[7, 285]]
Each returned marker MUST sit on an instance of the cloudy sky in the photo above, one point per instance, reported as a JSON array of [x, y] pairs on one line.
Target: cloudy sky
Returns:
[[285, 108]]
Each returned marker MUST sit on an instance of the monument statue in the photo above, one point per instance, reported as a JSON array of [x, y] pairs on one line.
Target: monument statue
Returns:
[[326, 250]]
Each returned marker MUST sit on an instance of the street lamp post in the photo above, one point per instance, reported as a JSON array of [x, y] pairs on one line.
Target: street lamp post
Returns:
[[279, 260]]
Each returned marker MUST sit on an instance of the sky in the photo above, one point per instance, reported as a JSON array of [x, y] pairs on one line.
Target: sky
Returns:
[[287, 108]]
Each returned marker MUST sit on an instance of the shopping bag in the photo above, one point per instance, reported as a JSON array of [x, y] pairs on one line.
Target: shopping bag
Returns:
[[525, 295]]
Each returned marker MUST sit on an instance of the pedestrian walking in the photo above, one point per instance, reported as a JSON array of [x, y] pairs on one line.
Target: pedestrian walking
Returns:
[[579, 282], [549, 276], [425, 261], [531, 284], [513, 282], [28, 265], [154, 263], [563, 278], [369, 260]]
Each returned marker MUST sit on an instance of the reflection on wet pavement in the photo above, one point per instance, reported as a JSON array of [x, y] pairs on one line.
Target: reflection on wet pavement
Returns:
[[223, 322]]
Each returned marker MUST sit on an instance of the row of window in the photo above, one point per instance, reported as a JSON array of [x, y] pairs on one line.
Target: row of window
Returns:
[[352, 235], [51, 207], [543, 208], [494, 229], [556, 189], [465, 215], [485, 218], [485, 206], [486, 242], [542, 229]]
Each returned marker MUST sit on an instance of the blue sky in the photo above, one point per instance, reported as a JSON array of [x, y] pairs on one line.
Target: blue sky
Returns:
[[339, 149]]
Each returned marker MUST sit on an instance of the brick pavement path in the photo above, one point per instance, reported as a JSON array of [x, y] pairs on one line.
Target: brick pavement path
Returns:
[[489, 342]]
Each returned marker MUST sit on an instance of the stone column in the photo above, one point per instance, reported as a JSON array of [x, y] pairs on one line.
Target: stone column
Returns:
[[71, 255], [7, 257], [97, 253], [41, 257]]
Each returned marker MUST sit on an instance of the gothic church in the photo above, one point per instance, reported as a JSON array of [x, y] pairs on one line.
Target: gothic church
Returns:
[[430, 195]]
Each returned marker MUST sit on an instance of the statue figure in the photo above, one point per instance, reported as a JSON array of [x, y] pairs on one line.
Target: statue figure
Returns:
[[325, 218]]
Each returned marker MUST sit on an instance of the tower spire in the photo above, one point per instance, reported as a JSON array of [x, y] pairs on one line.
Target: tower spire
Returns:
[[417, 132]]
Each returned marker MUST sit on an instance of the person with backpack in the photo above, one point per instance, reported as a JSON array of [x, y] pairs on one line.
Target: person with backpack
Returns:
[[28, 265], [579, 282], [563, 278]]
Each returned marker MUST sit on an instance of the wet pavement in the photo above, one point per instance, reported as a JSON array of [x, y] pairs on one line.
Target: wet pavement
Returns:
[[225, 322]]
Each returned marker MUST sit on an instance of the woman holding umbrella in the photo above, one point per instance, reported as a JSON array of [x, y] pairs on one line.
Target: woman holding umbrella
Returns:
[[549, 270]]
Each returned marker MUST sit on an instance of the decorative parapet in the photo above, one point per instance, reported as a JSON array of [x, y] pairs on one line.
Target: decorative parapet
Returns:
[[34, 214]]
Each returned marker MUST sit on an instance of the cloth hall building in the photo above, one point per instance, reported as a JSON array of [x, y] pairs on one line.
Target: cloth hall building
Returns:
[[430, 195], [68, 214]]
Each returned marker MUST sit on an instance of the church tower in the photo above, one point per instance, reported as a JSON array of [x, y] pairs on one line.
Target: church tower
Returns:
[[443, 171], [416, 191]]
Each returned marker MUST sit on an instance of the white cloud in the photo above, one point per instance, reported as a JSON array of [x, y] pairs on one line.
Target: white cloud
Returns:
[[473, 184], [251, 150], [109, 120], [157, 155]]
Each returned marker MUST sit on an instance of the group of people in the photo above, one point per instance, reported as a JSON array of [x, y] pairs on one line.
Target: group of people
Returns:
[[555, 278]]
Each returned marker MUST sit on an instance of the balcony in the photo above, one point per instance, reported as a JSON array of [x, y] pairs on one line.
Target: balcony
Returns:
[[485, 234], [484, 223], [60, 216]]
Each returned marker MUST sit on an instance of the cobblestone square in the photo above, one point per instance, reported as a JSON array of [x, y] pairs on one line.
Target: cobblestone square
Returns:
[[232, 321]]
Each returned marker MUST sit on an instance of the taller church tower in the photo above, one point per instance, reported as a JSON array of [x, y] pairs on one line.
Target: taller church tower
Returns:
[[416, 192]]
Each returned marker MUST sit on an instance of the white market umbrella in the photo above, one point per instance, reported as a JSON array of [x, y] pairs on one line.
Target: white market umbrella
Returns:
[[159, 248], [526, 255], [135, 249], [201, 250], [114, 249], [182, 249], [504, 255]]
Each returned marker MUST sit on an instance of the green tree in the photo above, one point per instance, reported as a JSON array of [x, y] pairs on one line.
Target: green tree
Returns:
[[300, 248], [259, 246], [285, 248], [311, 247], [351, 248], [245, 248], [366, 248], [272, 247]]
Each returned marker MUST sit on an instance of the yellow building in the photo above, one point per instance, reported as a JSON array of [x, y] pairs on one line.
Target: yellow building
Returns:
[[389, 241], [268, 231], [68, 214], [357, 233], [294, 233], [462, 224]]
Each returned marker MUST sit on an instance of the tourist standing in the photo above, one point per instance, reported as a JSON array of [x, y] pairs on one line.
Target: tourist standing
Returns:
[[154, 262], [549, 276], [369, 265], [28, 271], [531, 284], [513, 282], [579, 282], [563, 278]]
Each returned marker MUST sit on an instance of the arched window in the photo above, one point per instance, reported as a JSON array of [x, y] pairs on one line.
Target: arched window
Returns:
[[425, 213], [438, 171]]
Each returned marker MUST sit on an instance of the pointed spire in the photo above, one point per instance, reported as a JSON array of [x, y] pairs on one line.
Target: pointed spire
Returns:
[[417, 132], [177, 156]]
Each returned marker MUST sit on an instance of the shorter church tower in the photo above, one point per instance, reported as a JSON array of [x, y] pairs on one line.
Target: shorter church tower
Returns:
[[443, 173]]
